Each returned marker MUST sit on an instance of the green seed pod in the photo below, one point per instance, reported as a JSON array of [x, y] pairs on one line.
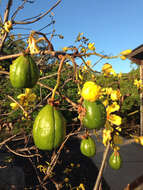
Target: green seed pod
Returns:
[[88, 147], [115, 160], [49, 128], [24, 72], [95, 116]]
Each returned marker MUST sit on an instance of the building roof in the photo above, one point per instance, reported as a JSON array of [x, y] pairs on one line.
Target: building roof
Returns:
[[136, 54]]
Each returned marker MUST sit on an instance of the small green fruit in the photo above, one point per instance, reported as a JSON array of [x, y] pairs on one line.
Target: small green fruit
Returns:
[[24, 72], [88, 147], [115, 160]]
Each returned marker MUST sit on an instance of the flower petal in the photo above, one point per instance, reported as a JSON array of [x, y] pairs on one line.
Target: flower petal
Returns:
[[91, 91], [112, 108], [115, 119], [14, 106]]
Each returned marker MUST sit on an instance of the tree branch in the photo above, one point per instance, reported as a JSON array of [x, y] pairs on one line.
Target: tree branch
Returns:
[[16, 11], [6, 14], [40, 17]]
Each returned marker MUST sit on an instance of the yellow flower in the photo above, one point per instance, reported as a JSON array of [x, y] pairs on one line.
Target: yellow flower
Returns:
[[88, 62], [42, 168], [105, 102], [72, 164], [91, 46], [32, 97], [113, 107], [25, 114], [120, 75], [106, 136], [28, 91], [22, 97], [115, 95], [80, 76], [126, 52], [138, 83], [115, 119], [118, 128], [84, 68], [27, 97], [139, 140], [107, 70], [123, 57], [65, 49], [90, 91], [81, 187], [32, 45], [107, 91], [7, 26], [83, 50], [14, 106]]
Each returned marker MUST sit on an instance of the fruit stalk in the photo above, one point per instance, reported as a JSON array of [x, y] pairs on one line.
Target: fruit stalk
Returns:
[[58, 78]]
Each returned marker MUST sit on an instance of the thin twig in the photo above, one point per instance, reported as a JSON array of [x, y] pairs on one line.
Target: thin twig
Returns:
[[55, 158], [7, 140], [64, 97], [48, 76], [18, 9], [22, 155], [18, 104], [4, 72], [25, 149], [98, 180], [40, 17], [50, 46]]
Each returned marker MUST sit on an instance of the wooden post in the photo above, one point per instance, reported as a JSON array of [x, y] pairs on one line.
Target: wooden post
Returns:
[[141, 100]]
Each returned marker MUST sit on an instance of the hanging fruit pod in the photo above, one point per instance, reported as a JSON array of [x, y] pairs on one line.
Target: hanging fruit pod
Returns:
[[115, 160], [88, 147], [95, 116], [24, 72], [49, 128]]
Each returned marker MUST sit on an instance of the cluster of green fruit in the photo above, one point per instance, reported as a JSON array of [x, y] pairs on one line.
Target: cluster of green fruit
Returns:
[[49, 127], [95, 118]]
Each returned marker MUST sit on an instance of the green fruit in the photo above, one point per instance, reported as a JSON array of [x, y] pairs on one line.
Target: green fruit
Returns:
[[88, 147], [95, 116], [24, 72], [115, 161], [49, 128]]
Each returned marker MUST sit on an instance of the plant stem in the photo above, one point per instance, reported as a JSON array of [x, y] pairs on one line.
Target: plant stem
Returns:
[[96, 186], [58, 79]]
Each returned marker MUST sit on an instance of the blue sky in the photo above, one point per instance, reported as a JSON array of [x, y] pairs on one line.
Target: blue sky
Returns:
[[113, 25]]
